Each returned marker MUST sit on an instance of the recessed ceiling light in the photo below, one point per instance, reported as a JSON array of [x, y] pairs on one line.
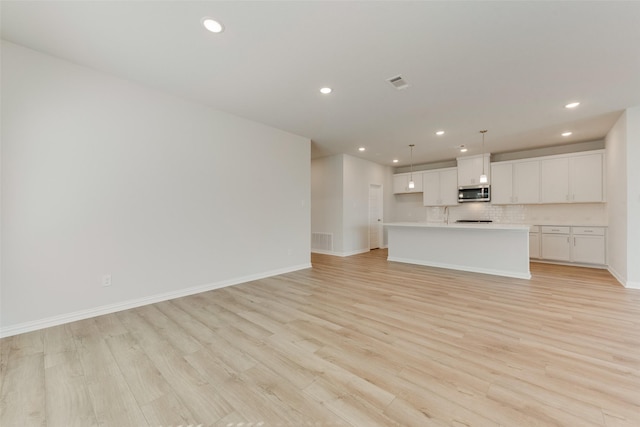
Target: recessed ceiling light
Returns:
[[361, 149], [463, 149], [212, 25], [572, 105], [326, 90], [440, 132], [567, 133], [395, 160]]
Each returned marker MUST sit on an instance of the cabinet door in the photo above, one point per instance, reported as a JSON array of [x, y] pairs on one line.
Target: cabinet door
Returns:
[[449, 187], [586, 178], [554, 180], [400, 184], [588, 249], [502, 186], [466, 172], [526, 182], [431, 188], [417, 180], [556, 247], [470, 169], [534, 245]]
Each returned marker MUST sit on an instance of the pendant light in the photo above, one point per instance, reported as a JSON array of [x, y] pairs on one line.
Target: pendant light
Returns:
[[483, 177], [412, 184]]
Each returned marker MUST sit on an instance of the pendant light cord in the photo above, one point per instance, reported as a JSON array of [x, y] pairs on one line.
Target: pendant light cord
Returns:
[[483, 132], [411, 145]]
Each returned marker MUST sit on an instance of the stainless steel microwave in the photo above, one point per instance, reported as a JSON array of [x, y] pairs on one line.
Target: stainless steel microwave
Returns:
[[474, 193]]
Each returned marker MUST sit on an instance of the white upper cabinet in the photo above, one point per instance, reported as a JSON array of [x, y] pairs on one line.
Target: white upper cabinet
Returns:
[[502, 187], [440, 187], [515, 182], [586, 178], [526, 182], [470, 168], [401, 183], [572, 179], [554, 180]]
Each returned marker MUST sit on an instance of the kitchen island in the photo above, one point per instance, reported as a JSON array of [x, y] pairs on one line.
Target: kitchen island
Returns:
[[499, 249]]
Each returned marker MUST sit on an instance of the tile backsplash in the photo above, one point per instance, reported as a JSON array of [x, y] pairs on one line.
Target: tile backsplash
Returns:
[[554, 214]]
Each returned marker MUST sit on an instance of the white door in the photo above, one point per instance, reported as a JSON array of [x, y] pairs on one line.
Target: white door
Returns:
[[375, 216]]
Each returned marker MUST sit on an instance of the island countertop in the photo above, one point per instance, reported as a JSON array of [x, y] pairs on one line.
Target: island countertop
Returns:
[[485, 226]]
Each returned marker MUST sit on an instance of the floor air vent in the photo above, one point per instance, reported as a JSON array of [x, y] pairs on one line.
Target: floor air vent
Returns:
[[322, 241], [398, 82]]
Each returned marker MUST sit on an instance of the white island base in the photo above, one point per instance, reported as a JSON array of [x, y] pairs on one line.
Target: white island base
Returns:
[[499, 249]]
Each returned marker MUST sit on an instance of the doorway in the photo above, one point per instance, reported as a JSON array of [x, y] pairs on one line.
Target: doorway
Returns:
[[375, 216]]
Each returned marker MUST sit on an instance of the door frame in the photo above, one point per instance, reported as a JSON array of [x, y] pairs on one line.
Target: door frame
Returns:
[[380, 217]]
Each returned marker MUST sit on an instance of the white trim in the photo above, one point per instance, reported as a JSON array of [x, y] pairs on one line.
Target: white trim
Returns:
[[125, 305], [323, 252], [569, 263], [632, 285], [617, 276], [340, 254], [462, 268]]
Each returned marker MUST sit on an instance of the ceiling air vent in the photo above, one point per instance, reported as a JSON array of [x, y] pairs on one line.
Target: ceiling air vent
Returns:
[[398, 82]]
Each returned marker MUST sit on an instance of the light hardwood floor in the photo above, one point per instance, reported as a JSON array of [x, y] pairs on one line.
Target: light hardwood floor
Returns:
[[354, 341]]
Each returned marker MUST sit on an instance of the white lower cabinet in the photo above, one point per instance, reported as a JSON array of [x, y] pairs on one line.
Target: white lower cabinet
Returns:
[[583, 245], [556, 243], [588, 245]]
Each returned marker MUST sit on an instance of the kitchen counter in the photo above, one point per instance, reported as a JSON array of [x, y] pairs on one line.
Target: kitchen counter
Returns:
[[485, 226], [499, 249]]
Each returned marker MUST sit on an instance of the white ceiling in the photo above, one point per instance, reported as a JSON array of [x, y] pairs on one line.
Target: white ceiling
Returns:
[[508, 67]]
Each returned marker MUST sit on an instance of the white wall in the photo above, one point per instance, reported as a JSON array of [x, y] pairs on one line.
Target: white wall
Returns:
[[633, 197], [326, 199], [623, 189], [616, 157], [100, 175], [358, 175], [340, 200]]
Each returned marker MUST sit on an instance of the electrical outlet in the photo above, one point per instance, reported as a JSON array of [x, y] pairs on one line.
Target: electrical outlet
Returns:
[[106, 280]]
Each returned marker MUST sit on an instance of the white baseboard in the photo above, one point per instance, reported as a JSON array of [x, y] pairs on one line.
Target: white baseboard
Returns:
[[632, 285], [619, 277], [340, 254], [570, 264], [34, 325], [623, 281], [463, 268]]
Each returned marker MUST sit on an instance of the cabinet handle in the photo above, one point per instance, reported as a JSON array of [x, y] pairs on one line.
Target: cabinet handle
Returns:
[[574, 241], [567, 240]]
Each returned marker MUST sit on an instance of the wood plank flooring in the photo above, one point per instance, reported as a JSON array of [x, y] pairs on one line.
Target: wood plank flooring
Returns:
[[354, 341]]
